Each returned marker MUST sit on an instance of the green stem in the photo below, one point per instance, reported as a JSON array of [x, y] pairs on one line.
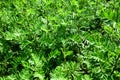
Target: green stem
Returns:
[[115, 64]]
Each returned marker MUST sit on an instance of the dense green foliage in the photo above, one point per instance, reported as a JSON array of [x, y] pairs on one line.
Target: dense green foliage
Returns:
[[59, 40]]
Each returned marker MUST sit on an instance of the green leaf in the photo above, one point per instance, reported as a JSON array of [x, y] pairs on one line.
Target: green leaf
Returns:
[[68, 53]]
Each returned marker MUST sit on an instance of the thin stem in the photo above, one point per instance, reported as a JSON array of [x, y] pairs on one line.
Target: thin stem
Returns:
[[115, 64]]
